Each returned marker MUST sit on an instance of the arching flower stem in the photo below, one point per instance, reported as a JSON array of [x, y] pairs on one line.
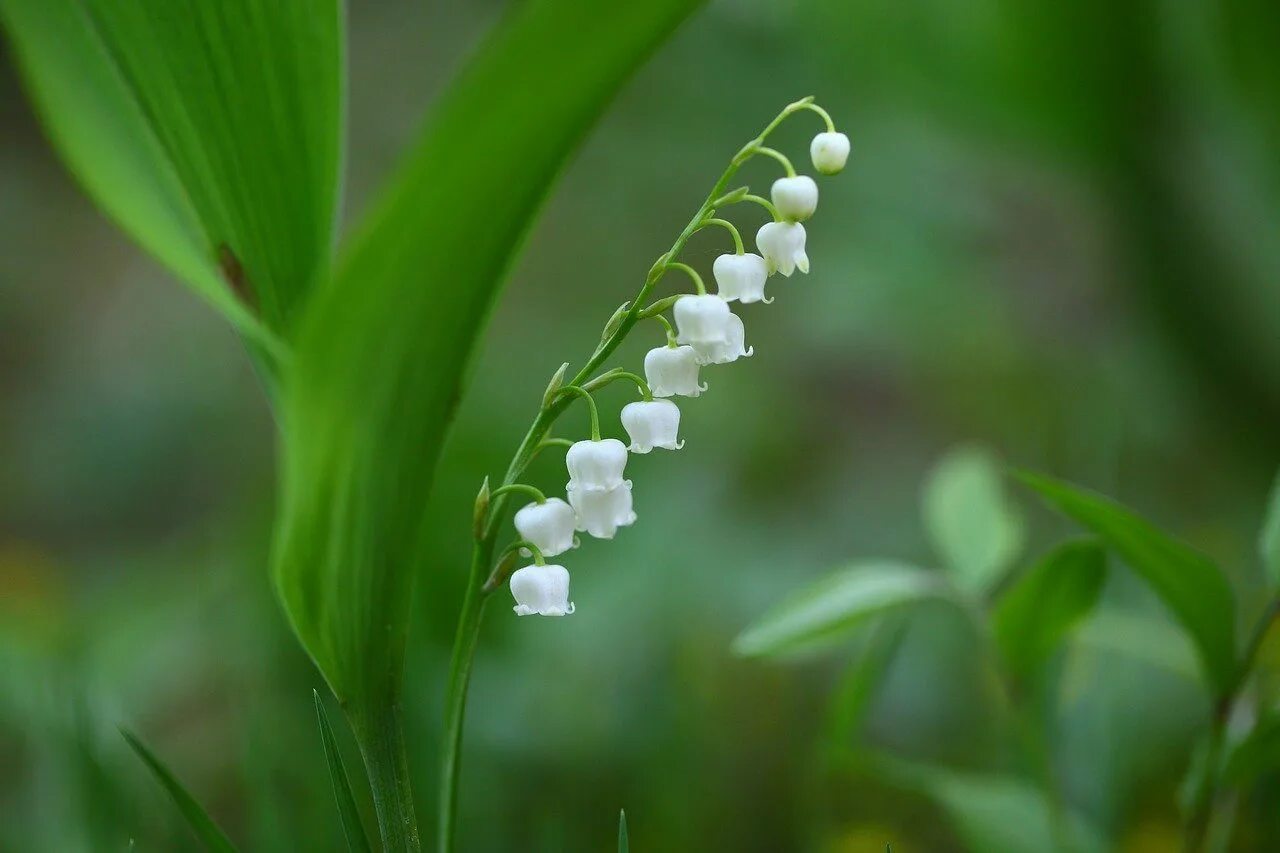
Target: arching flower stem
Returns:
[[535, 493], [765, 203], [618, 373], [692, 273], [780, 157], [826, 116], [733, 229], [579, 391]]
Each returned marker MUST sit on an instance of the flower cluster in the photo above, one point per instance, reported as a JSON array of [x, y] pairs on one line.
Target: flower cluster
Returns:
[[707, 331]]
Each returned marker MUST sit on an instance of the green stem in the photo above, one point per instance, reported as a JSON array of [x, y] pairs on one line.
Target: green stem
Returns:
[[691, 272], [535, 493], [780, 157], [578, 391], [380, 734], [826, 116], [671, 332], [468, 631], [765, 203], [730, 227]]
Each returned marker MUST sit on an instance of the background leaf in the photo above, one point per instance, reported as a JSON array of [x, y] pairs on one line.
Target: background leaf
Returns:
[[837, 604], [1258, 753], [624, 845], [210, 131], [1034, 614], [974, 527], [348, 814], [1188, 582], [382, 351], [1269, 537], [197, 818]]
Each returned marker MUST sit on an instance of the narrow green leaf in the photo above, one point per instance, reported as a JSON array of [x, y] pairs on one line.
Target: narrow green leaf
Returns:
[[848, 709], [624, 845], [1257, 754], [1032, 617], [348, 814], [1269, 537], [197, 818], [975, 528], [1189, 583], [210, 131], [382, 350], [837, 604]]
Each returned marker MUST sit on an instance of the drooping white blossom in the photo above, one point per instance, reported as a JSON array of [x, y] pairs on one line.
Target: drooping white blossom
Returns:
[[731, 350], [782, 245], [602, 512], [652, 423], [596, 465], [796, 198], [541, 591], [549, 526], [673, 370], [701, 319], [741, 277], [829, 152]]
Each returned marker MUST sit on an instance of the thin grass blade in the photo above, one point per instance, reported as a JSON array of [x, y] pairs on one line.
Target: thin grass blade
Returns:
[[348, 813], [213, 838]]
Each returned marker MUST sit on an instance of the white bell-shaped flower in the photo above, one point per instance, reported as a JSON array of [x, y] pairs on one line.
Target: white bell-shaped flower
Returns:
[[673, 370], [550, 525], [541, 591], [602, 512], [701, 319], [652, 423], [782, 245], [731, 350], [829, 152], [796, 198], [596, 465], [741, 277]]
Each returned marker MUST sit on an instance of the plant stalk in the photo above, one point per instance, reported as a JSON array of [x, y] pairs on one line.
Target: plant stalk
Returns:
[[380, 733]]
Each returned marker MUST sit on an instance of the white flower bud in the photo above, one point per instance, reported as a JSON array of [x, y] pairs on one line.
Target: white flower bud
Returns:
[[741, 277], [782, 245], [596, 464], [672, 370], [796, 198], [701, 319], [549, 526], [652, 423], [729, 351], [541, 591], [602, 512], [829, 152]]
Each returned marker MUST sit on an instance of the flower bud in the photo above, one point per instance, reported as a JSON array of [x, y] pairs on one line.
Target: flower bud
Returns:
[[731, 350], [652, 423], [541, 591], [596, 464], [701, 319], [740, 277], [672, 370], [796, 198], [602, 512], [782, 245], [549, 526], [829, 152]]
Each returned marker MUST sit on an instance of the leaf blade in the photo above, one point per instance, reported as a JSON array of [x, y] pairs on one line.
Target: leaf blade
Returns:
[[1269, 536], [1032, 616], [197, 818], [624, 844], [1189, 583], [348, 813]]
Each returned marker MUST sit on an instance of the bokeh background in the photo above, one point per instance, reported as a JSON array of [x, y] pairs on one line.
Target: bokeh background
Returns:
[[1058, 237]]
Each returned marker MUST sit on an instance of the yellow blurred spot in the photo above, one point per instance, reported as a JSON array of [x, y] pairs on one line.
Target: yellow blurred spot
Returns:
[[867, 838]]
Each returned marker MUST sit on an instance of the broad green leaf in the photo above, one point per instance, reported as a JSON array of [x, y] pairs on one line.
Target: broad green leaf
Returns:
[[1189, 583], [1033, 615], [382, 349], [624, 846], [1140, 638], [974, 527], [1269, 538], [837, 604], [197, 818], [995, 812], [348, 813], [210, 131]]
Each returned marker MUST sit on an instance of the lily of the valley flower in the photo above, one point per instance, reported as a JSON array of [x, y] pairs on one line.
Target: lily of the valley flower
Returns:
[[829, 152], [701, 319], [673, 370], [602, 511], [782, 245], [741, 277], [731, 350], [652, 423], [796, 198], [596, 465], [541, 591], [549, 526]]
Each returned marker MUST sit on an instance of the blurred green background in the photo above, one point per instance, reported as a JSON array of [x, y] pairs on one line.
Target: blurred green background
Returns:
[[1058, 236]]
